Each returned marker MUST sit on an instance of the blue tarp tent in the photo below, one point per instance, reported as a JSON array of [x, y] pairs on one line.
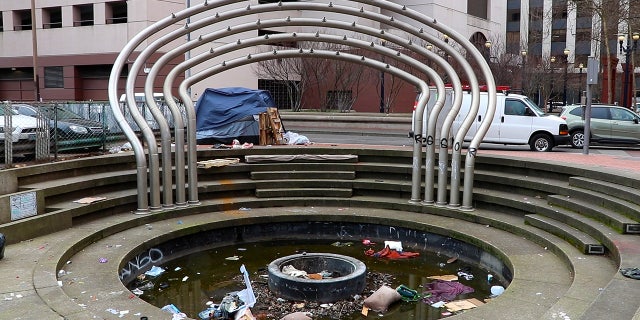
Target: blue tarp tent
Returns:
[[225, 114]]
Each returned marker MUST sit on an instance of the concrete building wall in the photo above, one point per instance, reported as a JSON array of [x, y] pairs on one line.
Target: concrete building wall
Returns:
[[74, 47], [79, 48]]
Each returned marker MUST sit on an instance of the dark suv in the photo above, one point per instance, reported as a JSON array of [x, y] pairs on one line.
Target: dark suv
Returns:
[[609, 125], [71, 130]]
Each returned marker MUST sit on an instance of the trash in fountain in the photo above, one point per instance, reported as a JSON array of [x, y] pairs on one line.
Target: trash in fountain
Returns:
[[235, 305]]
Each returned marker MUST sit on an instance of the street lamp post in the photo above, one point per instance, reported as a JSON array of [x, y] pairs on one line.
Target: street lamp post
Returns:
[[566, 66], [580, 66], [523, 53], [627, 54], [34, 41], [553, 71]]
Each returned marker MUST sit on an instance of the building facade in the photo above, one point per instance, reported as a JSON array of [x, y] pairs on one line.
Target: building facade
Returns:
[[64, 49], [71, 43], [556, 38]]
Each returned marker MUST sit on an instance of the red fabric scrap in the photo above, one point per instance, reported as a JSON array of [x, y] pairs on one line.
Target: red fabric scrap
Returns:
[[391, 254]]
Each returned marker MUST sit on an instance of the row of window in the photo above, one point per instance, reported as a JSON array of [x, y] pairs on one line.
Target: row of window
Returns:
[[83, 15]]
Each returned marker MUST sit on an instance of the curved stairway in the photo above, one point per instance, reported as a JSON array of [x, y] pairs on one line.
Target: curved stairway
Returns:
[[563, 230]]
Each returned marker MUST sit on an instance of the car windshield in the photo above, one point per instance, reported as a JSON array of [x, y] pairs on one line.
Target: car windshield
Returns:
[[534, 107]]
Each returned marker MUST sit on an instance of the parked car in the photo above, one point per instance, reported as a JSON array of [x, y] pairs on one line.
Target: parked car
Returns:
[[24, 128], [24, 131], [609, 125], [71, 130]]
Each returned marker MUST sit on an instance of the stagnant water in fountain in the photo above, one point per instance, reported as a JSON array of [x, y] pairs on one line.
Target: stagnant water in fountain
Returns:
[[208, 275]]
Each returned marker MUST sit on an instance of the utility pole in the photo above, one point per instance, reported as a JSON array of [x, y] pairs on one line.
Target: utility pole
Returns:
[[34, 40]]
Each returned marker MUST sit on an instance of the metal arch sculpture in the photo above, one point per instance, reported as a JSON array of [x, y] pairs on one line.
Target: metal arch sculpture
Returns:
[[249, 10], [219, 17], [204, 39], [213, 36]]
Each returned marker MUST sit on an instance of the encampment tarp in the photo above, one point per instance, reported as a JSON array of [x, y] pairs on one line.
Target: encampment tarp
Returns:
[[224, 114]]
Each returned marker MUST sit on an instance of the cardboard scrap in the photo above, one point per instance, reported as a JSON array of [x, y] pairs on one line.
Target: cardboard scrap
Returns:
[[466, 304], [446, 277], [89, 200], [206, 164], [365, 311]]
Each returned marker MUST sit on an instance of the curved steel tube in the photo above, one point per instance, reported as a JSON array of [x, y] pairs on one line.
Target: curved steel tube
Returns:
[[315, 37], [154, 167], [319, 7], [299, 53], [352, 26], [491, 89], [136, 145]]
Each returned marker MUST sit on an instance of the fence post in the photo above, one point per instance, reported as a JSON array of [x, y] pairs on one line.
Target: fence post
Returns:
[[8, 135]]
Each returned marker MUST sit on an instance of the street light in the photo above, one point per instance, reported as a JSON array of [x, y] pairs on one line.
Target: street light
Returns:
[[627, 54], [523, 53], [487, 44], [566, 66]]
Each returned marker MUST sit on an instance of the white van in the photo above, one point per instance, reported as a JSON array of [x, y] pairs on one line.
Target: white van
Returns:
[[517, 121]]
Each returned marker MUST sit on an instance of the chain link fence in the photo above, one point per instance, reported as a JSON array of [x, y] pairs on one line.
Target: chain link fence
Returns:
[[50, 131]]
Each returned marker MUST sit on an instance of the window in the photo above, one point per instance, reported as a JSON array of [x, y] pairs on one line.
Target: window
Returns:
[[116, 12], [286, 44], [477, 8], [280, 91], [599, 113], [22, 20], [559, 12], [621, 115], [83, 15], [53, 77], [514, 108], [52, 18], [1, 23], [97, 71]]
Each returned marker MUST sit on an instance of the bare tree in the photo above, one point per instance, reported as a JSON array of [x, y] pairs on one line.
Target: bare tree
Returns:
[[505, 66], [336, 83], [610, 14], [287, 72]]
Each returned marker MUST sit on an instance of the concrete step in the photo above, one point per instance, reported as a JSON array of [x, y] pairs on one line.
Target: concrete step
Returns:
[[623, 199], [304, 192], [507, 180], [303, 184], [303, 174], [614, 220], [584, 242]]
